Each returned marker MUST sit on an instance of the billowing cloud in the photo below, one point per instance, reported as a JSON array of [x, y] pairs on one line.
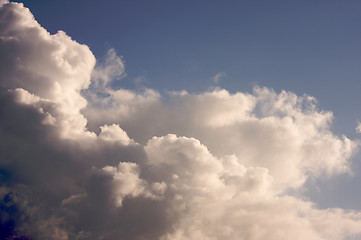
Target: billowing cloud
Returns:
[[81, 160]]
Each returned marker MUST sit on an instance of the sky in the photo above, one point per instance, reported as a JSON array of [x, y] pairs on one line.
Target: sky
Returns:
[[182, 120]]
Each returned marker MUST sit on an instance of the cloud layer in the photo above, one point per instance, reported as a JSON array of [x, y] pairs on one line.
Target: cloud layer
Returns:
[[81, 160]]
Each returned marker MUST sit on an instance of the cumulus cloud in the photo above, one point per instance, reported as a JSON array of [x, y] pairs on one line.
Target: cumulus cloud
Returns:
[[281, 132], [81, 160], [54, 68], [110, 69]]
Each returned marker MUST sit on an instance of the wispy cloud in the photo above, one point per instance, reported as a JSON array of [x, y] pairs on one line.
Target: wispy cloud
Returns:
[[218, 77], [358, 128], [81, 160]]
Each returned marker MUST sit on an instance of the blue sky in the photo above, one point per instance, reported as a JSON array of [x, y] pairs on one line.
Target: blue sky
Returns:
[[99, 140]]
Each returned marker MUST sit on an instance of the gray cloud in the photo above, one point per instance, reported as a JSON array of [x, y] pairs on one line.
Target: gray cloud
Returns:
[[80, 160]]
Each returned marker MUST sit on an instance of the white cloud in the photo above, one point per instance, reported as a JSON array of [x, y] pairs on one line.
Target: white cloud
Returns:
[[205, 166], [281, 132], [52, 67], [114, 133], [126, 181], [112, 68]]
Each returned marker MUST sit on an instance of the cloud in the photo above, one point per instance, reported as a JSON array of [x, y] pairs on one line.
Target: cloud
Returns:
[[358, 129], [81, 160], [281, 132], [54, 68], [126, 181], [217, 78], [114, 133], [110, 69]]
